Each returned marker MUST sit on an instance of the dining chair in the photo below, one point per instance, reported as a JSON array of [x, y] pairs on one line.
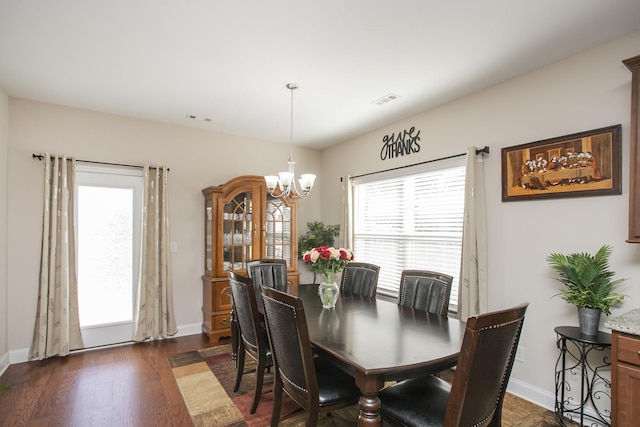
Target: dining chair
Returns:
[[360, 278], [271, 274], [311, 381], [253, 338], [257, 261], [476, 394], [425, 290], [268, 272]]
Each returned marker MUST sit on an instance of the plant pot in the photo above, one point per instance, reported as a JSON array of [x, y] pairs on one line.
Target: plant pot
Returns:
[[589, 319]]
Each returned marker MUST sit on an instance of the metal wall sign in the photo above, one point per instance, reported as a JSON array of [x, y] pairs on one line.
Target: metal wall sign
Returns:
[[404, 143]]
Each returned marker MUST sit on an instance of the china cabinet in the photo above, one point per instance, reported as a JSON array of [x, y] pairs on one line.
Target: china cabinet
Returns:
[[633, 64], [242, 221]]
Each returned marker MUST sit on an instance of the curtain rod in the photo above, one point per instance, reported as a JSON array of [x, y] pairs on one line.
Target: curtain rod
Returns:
[[40, 156], [482, 151]]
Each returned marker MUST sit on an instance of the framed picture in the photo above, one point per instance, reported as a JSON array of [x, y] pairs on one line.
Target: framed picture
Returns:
[[582, 164]]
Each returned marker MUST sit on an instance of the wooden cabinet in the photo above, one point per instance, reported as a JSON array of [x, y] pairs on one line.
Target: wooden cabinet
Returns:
[[242, 221], [625, 379], [633, 64]]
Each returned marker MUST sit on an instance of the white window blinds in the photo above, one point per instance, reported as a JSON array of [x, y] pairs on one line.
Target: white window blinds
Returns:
[[411, 219]]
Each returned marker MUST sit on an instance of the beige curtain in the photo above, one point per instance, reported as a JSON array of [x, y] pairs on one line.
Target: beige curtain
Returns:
[[57, 327], [472, 296], [154, 315], [346, 224]]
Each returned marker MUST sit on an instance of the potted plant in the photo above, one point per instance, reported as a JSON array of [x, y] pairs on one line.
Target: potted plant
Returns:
[[318, 234], [589, 285]]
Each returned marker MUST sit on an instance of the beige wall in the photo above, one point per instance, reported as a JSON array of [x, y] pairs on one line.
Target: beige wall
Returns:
[[4, 141], [196, 158], [584, 92]]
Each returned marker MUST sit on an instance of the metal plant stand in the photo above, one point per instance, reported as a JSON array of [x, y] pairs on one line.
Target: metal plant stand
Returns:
[[584, 357]]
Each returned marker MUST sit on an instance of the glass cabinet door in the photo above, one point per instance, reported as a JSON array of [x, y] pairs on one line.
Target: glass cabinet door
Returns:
[[238, 231], [278, 228], [208, 226]]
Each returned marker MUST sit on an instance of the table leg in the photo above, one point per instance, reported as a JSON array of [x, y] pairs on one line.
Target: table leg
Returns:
[[369, 402]]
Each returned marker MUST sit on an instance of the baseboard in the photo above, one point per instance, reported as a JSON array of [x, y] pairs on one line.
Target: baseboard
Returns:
[[22, 355], [532, 394], [544, 399], [4, 363]]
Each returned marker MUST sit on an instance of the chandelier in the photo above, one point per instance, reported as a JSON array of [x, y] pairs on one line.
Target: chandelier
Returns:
[[285, 181]]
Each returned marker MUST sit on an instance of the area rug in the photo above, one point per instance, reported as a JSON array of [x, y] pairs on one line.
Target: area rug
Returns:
[[206, 378]]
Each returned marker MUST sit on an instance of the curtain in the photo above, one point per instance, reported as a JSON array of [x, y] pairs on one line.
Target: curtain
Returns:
[[154, 316], [346, 221], [472, 292], [57, 326]]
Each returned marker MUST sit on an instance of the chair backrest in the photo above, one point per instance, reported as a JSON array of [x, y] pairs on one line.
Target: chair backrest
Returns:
[[360, 278], [253, 262], [291, 346], [271, 274], [484, 367], [425, 290], [246, 308]]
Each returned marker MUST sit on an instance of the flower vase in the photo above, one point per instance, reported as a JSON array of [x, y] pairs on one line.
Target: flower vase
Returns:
[[328, 290]]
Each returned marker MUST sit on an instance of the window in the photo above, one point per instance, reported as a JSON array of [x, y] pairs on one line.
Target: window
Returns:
[[411, 219]]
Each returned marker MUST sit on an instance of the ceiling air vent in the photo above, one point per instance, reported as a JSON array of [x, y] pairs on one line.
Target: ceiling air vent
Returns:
[[194, 117], [387, 98]]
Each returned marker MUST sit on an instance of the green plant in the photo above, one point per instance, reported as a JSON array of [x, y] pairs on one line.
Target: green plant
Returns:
[[588, 281], [318, 234]]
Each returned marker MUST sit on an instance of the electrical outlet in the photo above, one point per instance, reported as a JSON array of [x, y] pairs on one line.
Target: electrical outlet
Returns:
[[520, 354]]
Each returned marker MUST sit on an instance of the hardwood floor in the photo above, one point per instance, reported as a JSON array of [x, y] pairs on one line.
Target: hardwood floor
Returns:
[[130, 385]]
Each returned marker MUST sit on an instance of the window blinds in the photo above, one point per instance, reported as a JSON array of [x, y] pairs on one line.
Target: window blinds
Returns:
[[411, 219]]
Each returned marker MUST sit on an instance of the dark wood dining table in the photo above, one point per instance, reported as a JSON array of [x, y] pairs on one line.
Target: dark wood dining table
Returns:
[[376, 341]]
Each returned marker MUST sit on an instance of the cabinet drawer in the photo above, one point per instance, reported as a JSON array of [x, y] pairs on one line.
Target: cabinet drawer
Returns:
[[221, 321], [628, 349], [221, 296]]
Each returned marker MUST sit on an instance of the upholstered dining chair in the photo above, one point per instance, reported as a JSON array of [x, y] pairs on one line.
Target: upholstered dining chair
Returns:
[[268, 272], [257, 261], [475, 396], [271, 274], [253, 338], [312, 382], [360, 278], [426, 290]]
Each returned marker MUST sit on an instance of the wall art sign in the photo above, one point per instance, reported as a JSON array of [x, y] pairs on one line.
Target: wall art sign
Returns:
[[581, 164], [400, 144]]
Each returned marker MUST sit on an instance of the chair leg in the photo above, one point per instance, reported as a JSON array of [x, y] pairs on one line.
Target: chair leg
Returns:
[[240, 371], [277, 400], [312, 417], [259, 382]]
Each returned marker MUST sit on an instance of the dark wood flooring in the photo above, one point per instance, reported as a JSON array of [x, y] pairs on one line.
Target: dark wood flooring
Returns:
[[130, 385]]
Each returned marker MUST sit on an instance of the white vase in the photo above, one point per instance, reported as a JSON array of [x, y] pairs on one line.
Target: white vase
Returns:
[[329, 290]]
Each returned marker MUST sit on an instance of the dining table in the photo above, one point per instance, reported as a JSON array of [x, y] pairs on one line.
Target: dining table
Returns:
[[376, 341]]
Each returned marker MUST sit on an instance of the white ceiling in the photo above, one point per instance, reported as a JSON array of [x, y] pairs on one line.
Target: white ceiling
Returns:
[[230, 60]]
